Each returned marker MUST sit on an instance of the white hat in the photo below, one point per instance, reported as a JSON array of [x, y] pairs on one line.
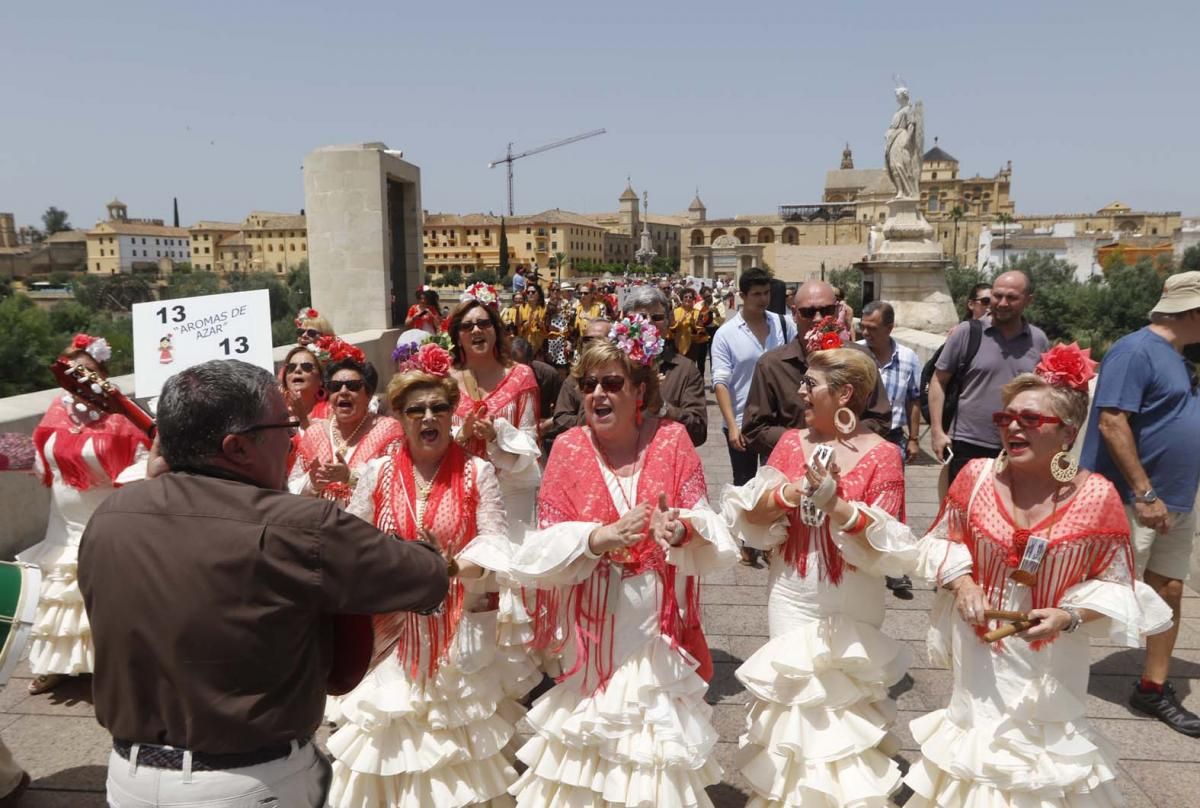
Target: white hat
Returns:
[[1180, 293]]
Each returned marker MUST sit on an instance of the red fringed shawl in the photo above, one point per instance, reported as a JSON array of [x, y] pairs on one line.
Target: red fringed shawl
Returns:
[[315, 445], [511, 399], [877, 480], [451, 515], [1088, 538], [574, 490], [115, 441]]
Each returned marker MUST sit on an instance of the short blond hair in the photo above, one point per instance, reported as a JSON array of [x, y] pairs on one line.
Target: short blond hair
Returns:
[[403, 384], [603, 351], [1069, 405], [319, 323], [848, 366]]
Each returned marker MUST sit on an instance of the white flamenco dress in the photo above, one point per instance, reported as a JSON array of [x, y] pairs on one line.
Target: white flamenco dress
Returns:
[[1015, 732], [628, 725], [439, 738], [818, 730], [62, 636]]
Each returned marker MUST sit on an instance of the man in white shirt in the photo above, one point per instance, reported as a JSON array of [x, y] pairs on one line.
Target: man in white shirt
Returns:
[[736, 347]]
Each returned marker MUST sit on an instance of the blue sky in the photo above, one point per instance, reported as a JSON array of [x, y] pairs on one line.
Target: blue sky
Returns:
[[217, 103]]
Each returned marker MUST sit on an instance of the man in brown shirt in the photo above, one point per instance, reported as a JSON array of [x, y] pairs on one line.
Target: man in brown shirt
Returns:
[[680, 383], [210, 590]]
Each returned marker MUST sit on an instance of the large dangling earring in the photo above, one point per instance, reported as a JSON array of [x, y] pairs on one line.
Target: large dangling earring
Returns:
[[1064, 467], [1001, 462], [845, 420], [639, 417]]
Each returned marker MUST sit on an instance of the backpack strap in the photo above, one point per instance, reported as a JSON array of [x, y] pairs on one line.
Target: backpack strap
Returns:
[[974, 340]]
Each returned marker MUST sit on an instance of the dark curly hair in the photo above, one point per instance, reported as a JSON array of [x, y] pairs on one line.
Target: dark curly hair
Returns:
[[364, 369]]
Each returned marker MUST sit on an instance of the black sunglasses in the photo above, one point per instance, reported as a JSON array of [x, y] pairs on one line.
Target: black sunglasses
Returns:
[[417, 411], [610, 384], [987, 301], [293, 425], [809, 312], [311, 333], [658, 318], [353, 385], [483, 325], [292, 367]]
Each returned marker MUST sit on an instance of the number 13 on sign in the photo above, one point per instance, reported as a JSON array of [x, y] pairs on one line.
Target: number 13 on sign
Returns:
[[236, 345]]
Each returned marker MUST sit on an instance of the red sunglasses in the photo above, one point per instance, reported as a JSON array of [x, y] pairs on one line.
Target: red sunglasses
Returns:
[[1028, 419]]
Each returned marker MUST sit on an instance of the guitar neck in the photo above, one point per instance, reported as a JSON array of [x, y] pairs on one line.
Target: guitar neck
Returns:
[[140, 418]]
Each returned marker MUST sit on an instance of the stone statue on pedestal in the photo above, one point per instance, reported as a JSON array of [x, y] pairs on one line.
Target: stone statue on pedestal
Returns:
[[904, 146]]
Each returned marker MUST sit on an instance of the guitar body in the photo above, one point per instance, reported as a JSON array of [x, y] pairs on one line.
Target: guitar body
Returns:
[[353, 634]]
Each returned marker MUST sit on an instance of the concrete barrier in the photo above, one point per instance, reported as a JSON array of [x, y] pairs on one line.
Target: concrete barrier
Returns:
[[25, 503]]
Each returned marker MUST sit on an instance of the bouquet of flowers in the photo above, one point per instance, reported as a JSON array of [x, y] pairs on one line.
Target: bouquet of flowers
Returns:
[[638, 338], [426, 357], [334, 349], [826, 334]]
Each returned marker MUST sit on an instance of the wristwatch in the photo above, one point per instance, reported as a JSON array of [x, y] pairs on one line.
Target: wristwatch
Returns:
[[662, 411], [1147, 497]]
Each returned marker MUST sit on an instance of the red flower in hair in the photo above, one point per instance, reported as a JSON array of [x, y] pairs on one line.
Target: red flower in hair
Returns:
[[1067, 366], [335, 349], [434, 359], [81, 341], [830, 340]]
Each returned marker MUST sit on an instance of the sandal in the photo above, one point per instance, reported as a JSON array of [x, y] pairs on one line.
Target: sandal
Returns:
[[45, 682]]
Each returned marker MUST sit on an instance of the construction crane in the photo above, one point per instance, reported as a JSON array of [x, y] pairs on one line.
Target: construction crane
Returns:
[[509, 157]]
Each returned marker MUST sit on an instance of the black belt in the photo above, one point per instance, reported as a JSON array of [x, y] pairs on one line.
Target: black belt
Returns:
[[167, 757]]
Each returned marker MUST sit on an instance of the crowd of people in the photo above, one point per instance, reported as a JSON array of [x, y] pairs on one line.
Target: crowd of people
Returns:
[[517, 529]]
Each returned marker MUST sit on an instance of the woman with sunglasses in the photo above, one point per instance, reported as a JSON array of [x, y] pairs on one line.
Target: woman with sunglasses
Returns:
[[497, 413], [817, 733], [1027, 535], [533, 318], [311, 326], [81, 455], [333, 451], [303, 386], [624, 532], [430, 724]]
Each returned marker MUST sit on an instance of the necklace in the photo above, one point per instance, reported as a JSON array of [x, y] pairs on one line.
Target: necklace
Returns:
[[340, 446], [424, 487], [633, 478]]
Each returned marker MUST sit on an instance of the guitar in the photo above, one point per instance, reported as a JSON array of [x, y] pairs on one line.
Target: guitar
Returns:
[[355, 650]]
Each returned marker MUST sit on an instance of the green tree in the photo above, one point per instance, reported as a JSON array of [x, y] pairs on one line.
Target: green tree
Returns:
[[299, 287], [1005, 220], [276, 288], [482, 276], [69, 317], [1191, 259], [453, 278], [24, 357], [54, 221], [111, 292], [191, 284], [850, 281], [961, 280]]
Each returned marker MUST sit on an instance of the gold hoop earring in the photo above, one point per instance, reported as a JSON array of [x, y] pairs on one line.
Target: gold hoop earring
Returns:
[[1064, 467], [1001, 461], [840, 421]]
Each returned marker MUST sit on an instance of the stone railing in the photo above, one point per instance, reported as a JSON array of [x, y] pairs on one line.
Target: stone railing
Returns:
[[25, 503]]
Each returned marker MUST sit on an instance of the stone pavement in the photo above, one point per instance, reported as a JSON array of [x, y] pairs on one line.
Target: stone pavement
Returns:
[[56, 738]]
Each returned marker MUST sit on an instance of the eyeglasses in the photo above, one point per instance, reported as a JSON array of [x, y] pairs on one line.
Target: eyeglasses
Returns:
[[658, 318], [291, 425], [311, 333], [292, 367], [987, 301], [610, 384], [417, 411], [1028, 419], [809, 312], [468, 327], [353, 385]]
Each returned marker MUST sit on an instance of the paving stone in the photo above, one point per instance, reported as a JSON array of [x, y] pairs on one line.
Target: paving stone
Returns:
[[1146, 739], [70, 752], [1162, 784], [723, 620], [749, 595], [36, 797], [902, 624]]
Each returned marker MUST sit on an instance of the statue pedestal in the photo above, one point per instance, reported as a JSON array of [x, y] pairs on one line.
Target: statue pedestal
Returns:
[[909, 271]]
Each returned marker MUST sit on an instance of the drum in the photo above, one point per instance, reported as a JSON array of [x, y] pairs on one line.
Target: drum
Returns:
[[20, 585]]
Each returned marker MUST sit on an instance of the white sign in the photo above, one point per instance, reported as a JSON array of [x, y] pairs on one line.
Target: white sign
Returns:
[[172, 335]]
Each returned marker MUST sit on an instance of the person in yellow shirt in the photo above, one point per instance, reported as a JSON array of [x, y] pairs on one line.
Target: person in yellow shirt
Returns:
[[511, 315], [533, 318], [591, 307], [703, 328], [684, 326]]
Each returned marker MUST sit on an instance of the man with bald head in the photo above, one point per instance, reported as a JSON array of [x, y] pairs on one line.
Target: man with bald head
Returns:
[[773, 405], [1008, 347]]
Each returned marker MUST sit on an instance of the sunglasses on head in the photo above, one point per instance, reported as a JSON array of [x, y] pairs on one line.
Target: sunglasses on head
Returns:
[[1028, 419], [292, 367], [809, 312], [610, 384], [353, 385], [468, 327], [311, 333], [417, 411]]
